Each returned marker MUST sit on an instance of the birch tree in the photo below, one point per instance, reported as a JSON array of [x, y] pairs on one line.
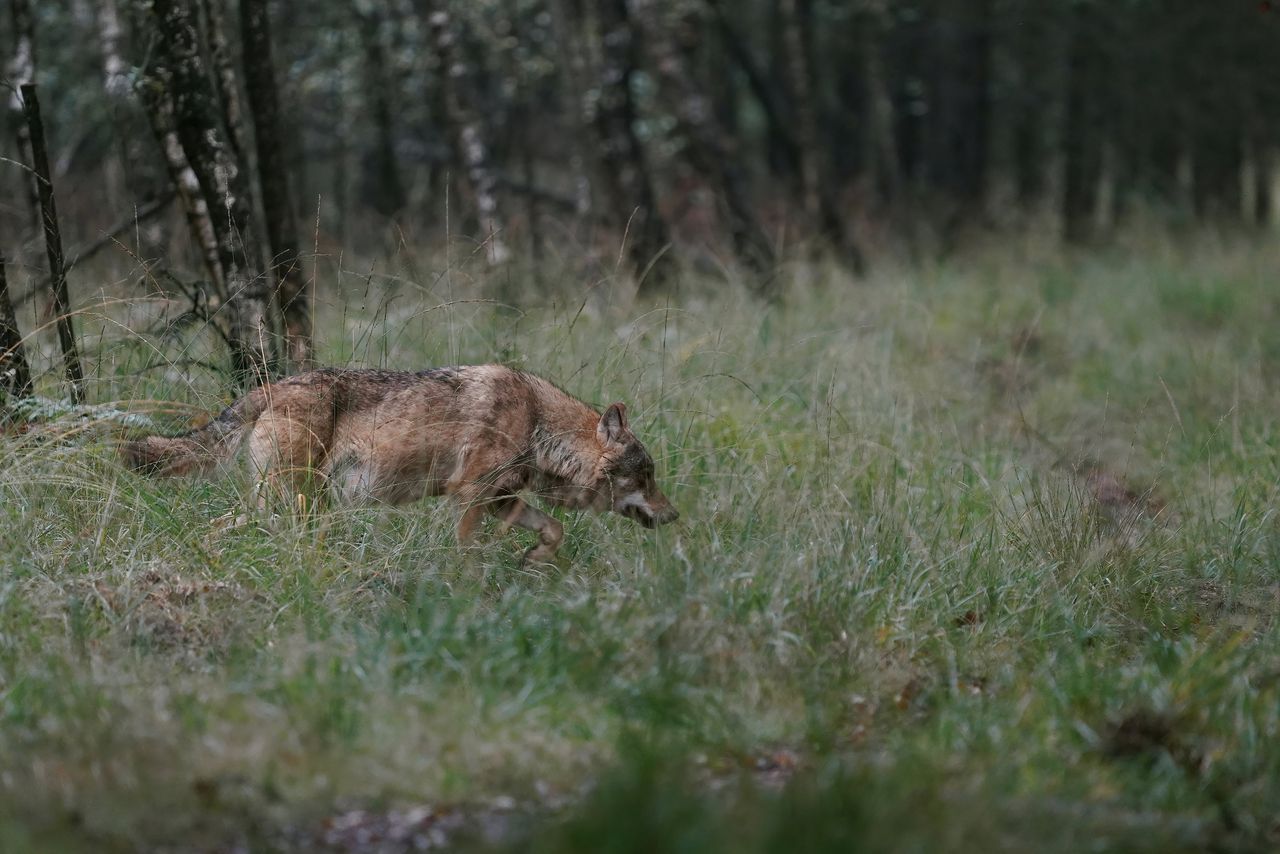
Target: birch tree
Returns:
[[226, 190]]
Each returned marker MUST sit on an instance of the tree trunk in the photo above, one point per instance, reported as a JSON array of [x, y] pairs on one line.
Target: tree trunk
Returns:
[[1263, 181], [157, 101], [781, 140], [530, 176], [1219, 158], [1000, 187], [816, 191], [15, 375], [976, 111], [1082, 148], [132, 167], [624, 168], [225, 188], [224, 76], [674, 44], [783, 162], [53, 242], [468, 137], [882, 166], [799, 87], [575, 75], [1028, 113], [115, 71], [273, 176], [382, 186], [22, 69]]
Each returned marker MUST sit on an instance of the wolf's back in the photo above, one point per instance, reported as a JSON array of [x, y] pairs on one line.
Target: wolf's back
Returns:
[[197, 450]]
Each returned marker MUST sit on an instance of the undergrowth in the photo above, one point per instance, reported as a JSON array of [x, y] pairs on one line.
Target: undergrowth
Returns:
[[981, 555]]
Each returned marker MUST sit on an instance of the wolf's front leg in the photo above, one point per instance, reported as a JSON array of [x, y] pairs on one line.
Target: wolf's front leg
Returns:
[[516, 511], [468, 521]]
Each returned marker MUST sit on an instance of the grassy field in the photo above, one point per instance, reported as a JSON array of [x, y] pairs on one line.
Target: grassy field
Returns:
[[981, 556]]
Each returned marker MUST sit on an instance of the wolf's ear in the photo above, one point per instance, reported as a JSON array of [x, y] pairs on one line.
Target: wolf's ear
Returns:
[[612, 429]]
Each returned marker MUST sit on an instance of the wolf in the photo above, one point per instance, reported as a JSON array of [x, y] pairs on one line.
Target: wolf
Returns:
[[481, 434]]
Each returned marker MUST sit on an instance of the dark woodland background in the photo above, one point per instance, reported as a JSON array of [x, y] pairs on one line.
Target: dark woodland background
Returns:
[[229, 136]]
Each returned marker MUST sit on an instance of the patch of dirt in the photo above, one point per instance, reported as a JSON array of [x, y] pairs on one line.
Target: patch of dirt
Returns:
[[1016, 368], [1117, 499], [1253, 607], [1139, 733], [166, 610], [906, 695], [773, 770], [416, 828], [1144, 734]]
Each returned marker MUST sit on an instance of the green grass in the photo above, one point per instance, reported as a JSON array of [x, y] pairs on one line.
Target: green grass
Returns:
[[895, 613]]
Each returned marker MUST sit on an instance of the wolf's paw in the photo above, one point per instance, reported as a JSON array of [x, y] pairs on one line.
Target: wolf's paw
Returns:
[[229, 521], [540, 557]]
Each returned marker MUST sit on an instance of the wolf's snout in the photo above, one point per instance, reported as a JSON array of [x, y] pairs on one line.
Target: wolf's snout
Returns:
[[649, 514]]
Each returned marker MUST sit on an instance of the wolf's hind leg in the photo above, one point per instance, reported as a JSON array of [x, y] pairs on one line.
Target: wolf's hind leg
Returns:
[[286, 456]]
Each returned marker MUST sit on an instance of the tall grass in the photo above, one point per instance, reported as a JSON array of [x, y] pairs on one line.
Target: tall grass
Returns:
[[981, 555]]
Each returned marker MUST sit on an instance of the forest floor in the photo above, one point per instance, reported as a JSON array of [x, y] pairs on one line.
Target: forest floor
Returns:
[[974, 556]]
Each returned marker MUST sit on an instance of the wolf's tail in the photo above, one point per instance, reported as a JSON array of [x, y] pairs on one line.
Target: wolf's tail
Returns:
[[197, 450]]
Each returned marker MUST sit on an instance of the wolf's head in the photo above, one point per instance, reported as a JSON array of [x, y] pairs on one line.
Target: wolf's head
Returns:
[[630, 486]]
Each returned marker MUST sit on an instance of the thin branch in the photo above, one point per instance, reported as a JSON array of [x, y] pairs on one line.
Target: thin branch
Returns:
[[108, 238]]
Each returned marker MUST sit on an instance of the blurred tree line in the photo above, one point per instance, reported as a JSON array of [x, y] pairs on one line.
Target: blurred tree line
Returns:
[[659, 133]]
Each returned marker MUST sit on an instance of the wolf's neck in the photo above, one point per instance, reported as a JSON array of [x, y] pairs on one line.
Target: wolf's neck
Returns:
[[564, 442]]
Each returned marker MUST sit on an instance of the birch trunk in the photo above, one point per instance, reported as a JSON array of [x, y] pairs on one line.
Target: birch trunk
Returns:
[[115, 71], [226, 191], [22, 69], [157, 101], [224, 76]]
